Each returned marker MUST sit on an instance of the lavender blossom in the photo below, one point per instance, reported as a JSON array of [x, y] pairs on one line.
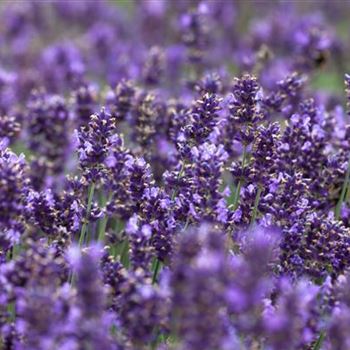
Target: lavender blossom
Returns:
[[289, 323], [202, 118], [13, 191], [85, 104], [154, 67], [90, 302], [143, 308], [94, 141], [121, 99], [195, 32], [198, 282], [9, 126], [203, 200]]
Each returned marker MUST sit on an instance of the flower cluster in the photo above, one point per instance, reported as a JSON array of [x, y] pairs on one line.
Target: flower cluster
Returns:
[[174, 175]]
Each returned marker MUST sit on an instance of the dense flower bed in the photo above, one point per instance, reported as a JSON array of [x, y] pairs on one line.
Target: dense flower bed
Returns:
[[174, 175]]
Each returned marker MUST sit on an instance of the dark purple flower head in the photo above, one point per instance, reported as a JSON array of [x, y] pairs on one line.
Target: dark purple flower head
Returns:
[[8, 96], [143, 308], [202, 118], [61, 66], [337, 327], [43, 317], [287, 94], [143, 119], [198, 282], [195, 28], [121, 99], [49, 314], [291, 85], [245, 107], [205, 177], [252, 279], [211, 83], [92, 322], [324, 246], [154, 66], [288, 199], [89, 287], [347, 89], [101, 37], [303, 147], [141, 250], [14, 187], [290, 323], [312, 46], [85, 102], [33, 279], [264, 153], [117, 182], [9, 127], [140, 178], [49, 129], [94, 142], [57, 215], [128, 178], [195, 186], [245, 111], [260, 247], [157, 212]]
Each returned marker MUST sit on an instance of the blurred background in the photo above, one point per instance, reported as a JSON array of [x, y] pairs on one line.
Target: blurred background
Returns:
[[63, 44]]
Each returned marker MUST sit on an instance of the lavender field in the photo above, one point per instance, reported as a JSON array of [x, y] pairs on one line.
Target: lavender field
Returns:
[[174, 175]]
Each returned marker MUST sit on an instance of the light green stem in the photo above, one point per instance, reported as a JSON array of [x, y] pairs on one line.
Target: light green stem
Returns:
[[11, 309], [124, 255], [186, 224], [347, 195], [156, 270], [319, 341]]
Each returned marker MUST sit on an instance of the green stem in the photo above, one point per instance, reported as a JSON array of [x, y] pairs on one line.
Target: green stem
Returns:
[[9, 255], [256, 203], [319, 341], [347, 195], [237, 194], [85, 224], [342, 194], [186, 224], [11, 309], [102, 228], [118, 226], [124, 255], [13, 252], [16, 249], [155, 271]]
